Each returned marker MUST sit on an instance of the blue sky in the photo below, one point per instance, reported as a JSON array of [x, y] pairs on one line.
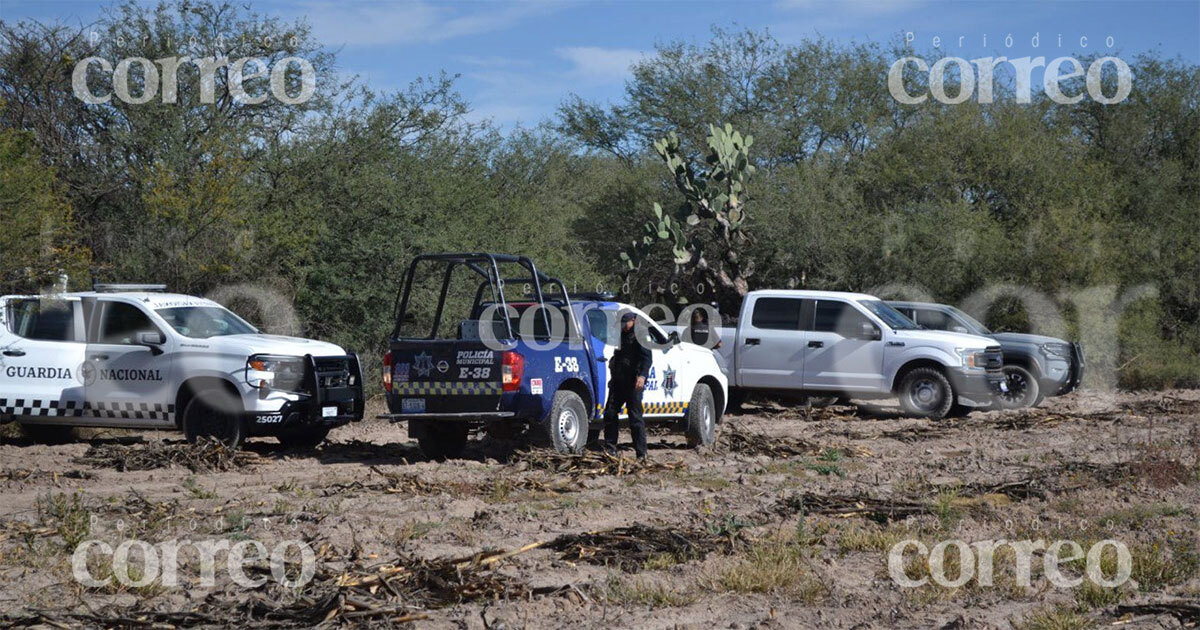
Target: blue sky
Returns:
[[519, 60]]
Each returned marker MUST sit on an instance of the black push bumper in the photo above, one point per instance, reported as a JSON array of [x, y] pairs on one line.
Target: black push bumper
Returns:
[[332, 395], [1075, 372]]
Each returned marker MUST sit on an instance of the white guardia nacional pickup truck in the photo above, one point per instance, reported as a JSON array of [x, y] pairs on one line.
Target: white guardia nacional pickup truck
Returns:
[[135, 357]]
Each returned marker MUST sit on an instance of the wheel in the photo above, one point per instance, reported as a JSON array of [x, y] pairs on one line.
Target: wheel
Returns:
[[443, 440], [48, 433], [303, 437], [1023, 388], [926, 392], [701, 418], [566, 428], [215, 413]]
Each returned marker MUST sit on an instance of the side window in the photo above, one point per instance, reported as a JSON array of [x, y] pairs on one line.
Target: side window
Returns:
[[838, 317], [598, 325], [655, 334], [44, 319], [777, 313], [934, 320], [122, 322]]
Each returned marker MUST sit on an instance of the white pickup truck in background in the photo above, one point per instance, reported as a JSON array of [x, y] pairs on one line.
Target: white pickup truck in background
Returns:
[[853, 345]]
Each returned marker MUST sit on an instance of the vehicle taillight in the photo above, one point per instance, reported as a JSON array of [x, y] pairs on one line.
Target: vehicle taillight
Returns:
[[512, 368], [387, 371]]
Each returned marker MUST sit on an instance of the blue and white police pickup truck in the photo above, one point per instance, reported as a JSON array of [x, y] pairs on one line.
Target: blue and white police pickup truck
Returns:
[[136, 357], [464, 357]]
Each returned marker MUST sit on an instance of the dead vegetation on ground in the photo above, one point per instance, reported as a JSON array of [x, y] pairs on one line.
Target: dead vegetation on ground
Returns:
[[202, 457], [631, 548], [592, 464]]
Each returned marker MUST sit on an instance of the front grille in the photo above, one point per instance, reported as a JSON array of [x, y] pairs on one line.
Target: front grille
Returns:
[[334, 372], [994, 356]]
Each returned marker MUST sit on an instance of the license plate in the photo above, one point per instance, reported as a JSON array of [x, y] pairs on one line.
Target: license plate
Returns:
[[413, 405], [329, 412]]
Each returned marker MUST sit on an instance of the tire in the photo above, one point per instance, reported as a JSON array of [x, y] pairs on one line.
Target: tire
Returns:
[[566, 428], [49, 433], [926, 392], [701, 418], [215, 413], [1023, 389], [303, 437], [443, 440]]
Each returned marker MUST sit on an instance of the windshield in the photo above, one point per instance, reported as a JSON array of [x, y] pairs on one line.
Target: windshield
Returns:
[[889, 315], [976, 327], [202, 322]]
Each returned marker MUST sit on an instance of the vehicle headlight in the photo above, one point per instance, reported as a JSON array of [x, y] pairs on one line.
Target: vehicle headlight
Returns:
[[267, 371], [1059, 350], [972, 359]]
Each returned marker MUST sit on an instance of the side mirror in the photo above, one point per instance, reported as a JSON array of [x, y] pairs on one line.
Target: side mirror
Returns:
[[959, 329], [152, 340], [673, 337], [869, 332]]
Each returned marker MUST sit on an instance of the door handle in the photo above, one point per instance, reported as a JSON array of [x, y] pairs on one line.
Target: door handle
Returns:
[[753, 341], [816, 344], [602, 359], [99, 357], [14, 353]]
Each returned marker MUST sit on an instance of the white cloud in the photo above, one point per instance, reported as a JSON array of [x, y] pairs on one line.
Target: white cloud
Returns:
[[492, 61], [409, 22], [600, 65]]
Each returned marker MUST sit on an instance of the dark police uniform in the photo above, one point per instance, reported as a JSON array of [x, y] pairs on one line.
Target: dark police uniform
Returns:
[[630, 361]]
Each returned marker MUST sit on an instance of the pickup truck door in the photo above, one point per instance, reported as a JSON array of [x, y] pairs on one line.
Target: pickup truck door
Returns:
[[771, 342], [41, 349], [597, 331], [838, 358], [126, 381], [662, 386]]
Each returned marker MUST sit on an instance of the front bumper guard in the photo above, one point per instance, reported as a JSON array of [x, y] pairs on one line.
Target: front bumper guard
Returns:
[[347, 401]]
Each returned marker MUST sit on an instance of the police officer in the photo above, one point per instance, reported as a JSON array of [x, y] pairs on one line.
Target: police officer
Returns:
[[630, 366]]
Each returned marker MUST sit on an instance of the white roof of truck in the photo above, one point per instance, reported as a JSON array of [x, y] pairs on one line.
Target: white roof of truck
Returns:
[[799, 293], [151, 299]]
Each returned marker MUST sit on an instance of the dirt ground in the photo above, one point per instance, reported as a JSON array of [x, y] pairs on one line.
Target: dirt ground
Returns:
[[786, 523]]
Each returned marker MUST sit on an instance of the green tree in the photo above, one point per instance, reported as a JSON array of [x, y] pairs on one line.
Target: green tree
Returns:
[[38, 234]]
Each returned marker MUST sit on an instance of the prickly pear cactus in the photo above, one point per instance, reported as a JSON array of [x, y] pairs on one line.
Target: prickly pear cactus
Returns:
[[712, 216]]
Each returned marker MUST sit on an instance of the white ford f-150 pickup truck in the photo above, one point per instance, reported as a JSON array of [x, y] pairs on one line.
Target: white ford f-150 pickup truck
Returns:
[[132, 356], [828, 343]]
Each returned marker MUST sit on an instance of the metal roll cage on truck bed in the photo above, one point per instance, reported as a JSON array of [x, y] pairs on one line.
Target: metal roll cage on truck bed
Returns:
[[487, 266], [492, 279], [549, 377]]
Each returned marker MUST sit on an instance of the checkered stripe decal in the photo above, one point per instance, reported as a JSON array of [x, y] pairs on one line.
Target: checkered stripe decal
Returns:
[[445, 388], [28, 407], [667, 408]]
